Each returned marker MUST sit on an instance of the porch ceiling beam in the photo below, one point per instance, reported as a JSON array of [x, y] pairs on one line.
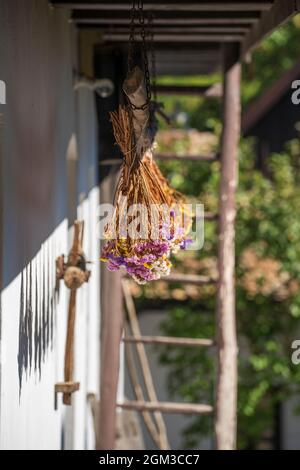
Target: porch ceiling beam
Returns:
[[234, 22], [187, 71], [162, 59], [167, 56], [171, 38], [113, 28], [195, 5], [210, 91], [182, 90], [178, 70], [281, 11], [181, 48], [182, 64], [169, 18]]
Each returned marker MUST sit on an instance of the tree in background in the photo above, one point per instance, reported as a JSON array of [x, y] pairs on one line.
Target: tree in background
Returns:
[[268, 300], [271, 59], [267, 265]]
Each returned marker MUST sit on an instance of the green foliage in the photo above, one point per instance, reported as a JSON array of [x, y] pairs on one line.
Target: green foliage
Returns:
[[268, 296], [271, 59], [275, 55], [267, 259], [206, 80]]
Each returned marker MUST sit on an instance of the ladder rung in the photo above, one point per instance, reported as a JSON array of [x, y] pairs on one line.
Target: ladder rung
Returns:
[[192, 158], [210, 216], [166, 407], [168, 340], [214, 91], [194, 279]]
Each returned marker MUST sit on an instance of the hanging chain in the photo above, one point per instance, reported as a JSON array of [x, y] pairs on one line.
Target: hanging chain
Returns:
[[152, 55], [130, 63], [131, 37], [144, 50]]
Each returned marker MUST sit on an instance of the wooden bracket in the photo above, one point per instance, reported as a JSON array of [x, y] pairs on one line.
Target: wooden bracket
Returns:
[[74, 274], [66, 388]]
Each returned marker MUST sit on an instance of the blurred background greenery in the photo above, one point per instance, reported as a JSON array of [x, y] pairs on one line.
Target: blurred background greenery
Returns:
[[267, 256]]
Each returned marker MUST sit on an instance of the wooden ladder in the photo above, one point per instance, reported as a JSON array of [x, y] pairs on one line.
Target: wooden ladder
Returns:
[[156, 427], [225, 408]]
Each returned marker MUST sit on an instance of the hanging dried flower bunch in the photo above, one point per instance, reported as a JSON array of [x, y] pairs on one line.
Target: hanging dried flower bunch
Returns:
[[161, 224], [150, 220]]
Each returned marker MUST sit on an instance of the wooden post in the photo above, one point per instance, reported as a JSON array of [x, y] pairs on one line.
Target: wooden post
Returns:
[[111, 335], [108, 61], [226, 410]]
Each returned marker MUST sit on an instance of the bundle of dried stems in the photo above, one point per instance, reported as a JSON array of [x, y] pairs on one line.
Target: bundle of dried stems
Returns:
[[159, 229]]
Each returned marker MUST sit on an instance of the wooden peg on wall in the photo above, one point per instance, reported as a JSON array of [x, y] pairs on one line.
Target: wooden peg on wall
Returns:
[[74, 274]]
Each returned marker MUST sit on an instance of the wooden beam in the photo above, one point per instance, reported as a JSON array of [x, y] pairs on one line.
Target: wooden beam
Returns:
[[281, 11], [214, 25], [166, 407], [171, 38], [111, 335], [192, 90], [193, 279], [184, 29], [168, 5], [214, 91], [111, 308], [210, 216], [168, 55], [179, 70], [169, 18], [226, 394], [190, 48], [169, 341]]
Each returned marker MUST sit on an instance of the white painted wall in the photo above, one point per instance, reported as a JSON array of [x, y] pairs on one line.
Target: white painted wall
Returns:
[[41, 116], [31, 362], [32, 353], [87, 334]]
